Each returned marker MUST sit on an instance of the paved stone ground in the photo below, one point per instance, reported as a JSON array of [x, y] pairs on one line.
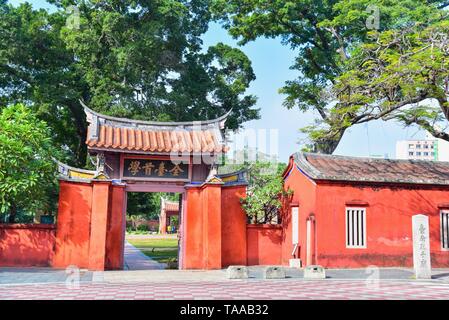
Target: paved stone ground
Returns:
[[38, 275], [47, 275], [136, 260], [233, 289]]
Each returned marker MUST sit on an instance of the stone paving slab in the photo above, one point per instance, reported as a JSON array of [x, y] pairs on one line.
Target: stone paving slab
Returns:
[[48, 275], [137, 260], [235, 289], [39, 275]]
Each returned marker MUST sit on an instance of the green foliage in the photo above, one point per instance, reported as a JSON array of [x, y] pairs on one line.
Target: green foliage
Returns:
[[161, 250], [328, 35], [27, 171], [265, 192], [393, 76], [137, 59], [147, 205]]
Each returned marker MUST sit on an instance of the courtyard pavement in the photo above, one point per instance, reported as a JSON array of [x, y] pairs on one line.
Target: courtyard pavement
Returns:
[[232, 289], [136, 260], [145, 278]]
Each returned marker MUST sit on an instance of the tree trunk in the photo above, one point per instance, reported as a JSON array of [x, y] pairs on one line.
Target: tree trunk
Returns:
[[12, 213], [81, 128], [328, 145]]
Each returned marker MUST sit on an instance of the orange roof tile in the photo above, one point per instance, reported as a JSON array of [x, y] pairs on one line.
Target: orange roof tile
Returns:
[[105, 132]]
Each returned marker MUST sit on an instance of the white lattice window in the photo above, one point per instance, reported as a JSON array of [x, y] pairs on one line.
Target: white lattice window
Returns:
[[355, 228], [444, 229]]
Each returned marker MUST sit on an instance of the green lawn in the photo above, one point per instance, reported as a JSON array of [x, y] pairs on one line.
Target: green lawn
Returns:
[[161, 250]]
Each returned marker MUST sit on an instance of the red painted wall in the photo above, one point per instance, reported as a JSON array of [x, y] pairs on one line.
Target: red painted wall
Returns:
[[264, 244], [90, 233], [192, 239], [304, 194], [115, 237], [73, 225], [389, 212], [26, 245], [202, 235], [233, 226], [388, 223]]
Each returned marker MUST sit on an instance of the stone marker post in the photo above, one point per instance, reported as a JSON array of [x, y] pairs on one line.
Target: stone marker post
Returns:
[[421, 247]]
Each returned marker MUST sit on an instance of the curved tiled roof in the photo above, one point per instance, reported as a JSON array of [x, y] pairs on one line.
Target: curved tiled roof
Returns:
[[171, 206], [122, 135], [343, 168]]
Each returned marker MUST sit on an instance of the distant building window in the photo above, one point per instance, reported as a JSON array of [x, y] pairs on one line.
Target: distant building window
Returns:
[[418, 146], [444, 215], [426, 153], [432, 154], [410, 153], [355, 228], [411, 145], [426, 146], [418, 153], [431, 146]]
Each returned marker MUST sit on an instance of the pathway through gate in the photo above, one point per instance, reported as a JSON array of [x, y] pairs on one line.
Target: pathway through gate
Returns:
[[145, 156], [136, 260]]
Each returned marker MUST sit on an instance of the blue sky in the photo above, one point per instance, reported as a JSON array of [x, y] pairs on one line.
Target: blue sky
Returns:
[[271, 62]]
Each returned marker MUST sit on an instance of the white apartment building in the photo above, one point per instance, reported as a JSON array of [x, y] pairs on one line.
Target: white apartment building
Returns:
[[425, 149]]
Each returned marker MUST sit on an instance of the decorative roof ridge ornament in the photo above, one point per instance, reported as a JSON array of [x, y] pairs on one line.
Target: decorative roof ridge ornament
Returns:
[[220, 120], [71, 173], [213, 175]]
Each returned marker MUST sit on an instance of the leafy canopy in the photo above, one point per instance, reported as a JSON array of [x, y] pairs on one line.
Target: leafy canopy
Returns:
[[265, 192], [398, 74], [26, 166], [325, 34], [132, 58]]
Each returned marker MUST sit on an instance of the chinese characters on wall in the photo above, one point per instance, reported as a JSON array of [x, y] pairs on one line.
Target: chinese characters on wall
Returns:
[[155, 168]]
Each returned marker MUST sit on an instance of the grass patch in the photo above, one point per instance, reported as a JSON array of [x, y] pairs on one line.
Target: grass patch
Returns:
[[161, 255], [154, 243]]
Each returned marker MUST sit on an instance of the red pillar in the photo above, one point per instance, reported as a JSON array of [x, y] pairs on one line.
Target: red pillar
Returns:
[[233, 226], [98, 225], [202, 236], [73, 224], [212, 225], [191, 236], [115, 238]]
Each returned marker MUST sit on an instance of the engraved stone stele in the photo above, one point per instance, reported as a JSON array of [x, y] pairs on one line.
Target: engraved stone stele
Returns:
[[294, 263], [314, 272], [237, 272], [421, 247], [274, 272]]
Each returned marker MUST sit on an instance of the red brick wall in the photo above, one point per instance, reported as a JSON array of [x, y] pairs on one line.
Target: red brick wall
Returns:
[[90, 225], [26, 245], [304, 194], [73, 225], [389, 212], [233, 226], [264, 244]]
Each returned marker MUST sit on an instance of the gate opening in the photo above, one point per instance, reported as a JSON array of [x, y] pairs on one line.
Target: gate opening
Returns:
[[152, 225]]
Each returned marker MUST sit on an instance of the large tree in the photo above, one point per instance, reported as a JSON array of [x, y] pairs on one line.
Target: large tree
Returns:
[[139, 59], [325, 34], [398, 74]]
